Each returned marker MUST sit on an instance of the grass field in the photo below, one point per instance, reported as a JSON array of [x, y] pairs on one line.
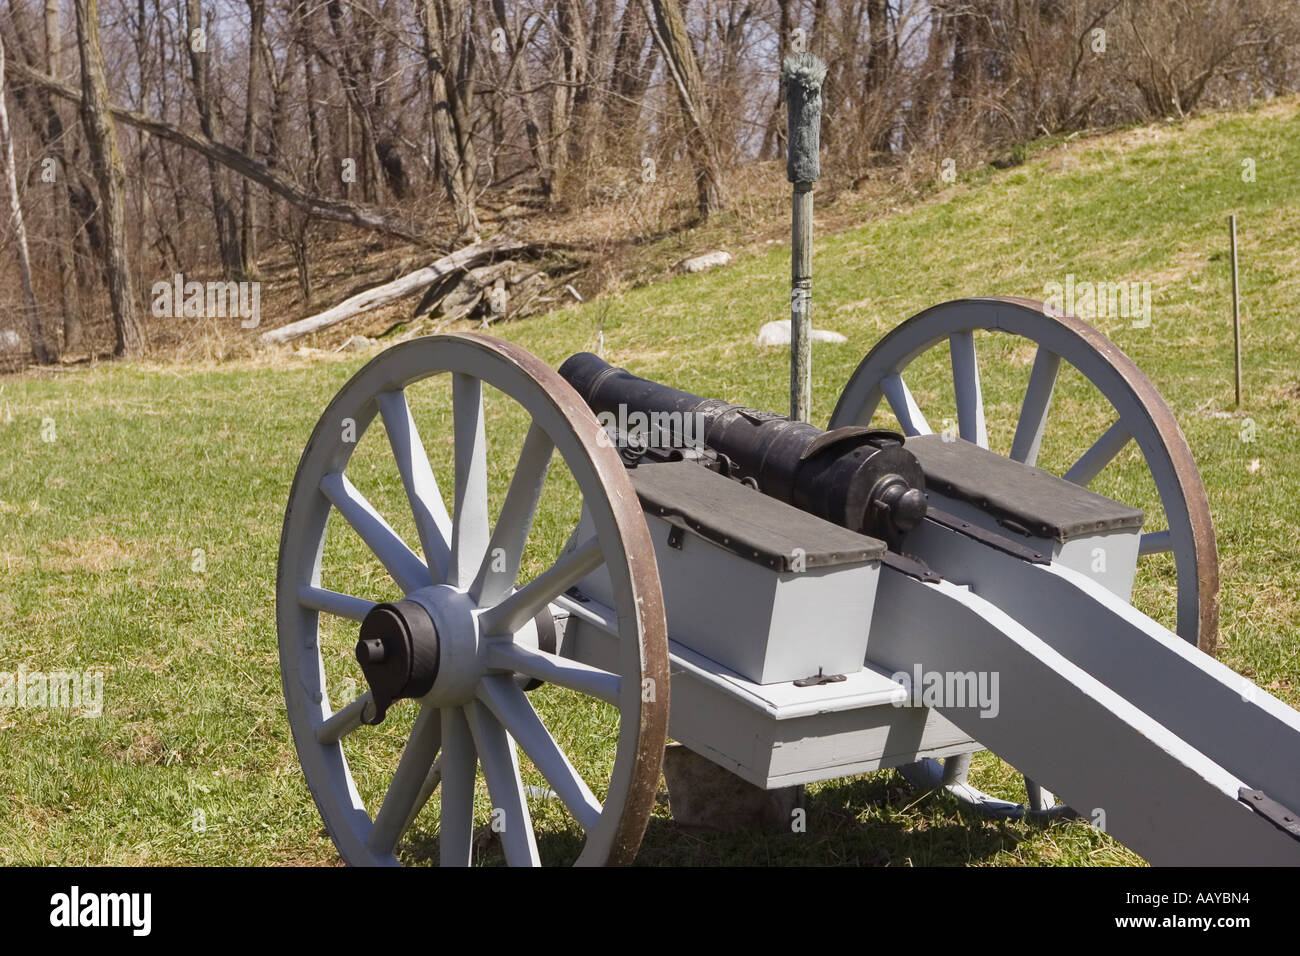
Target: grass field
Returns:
[[140, 506]]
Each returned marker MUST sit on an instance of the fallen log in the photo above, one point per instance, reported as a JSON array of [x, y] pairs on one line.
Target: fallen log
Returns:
[[389, 292]]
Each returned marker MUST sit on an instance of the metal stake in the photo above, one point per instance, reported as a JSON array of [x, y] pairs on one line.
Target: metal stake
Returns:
[[802, 76], [1236, 311], [801, 303]]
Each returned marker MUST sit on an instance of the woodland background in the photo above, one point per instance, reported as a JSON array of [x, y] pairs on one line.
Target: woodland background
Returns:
[[255, 140]]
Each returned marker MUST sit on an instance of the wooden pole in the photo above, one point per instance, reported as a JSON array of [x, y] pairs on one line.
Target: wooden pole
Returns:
[[1236, 312]]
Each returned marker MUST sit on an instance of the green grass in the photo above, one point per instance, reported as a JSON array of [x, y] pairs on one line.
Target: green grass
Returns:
[[99, 526]]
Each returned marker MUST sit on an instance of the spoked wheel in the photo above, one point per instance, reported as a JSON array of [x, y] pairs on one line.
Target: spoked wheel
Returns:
[[464, 642], [1139, 415]]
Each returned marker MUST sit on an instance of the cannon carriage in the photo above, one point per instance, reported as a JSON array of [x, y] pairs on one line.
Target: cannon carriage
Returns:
[[791, 604]]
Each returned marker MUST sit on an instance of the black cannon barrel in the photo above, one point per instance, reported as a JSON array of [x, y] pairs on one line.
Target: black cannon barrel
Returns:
[[857, 477]]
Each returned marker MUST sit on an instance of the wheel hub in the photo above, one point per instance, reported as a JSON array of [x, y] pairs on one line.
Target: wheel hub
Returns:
[[399, 652]]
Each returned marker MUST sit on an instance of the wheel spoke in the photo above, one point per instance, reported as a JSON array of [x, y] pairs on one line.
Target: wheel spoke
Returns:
[[459, 766], [512, 707], [1155, 542], [592, 681], [500, 567], [1101, 454], [1033, 411], [469, 531], [431, 781], [966, 386], [331, 602], [904, 406], [431, 520], [407, 569], [342, 722], [510, 615], [412, 769], [500, 759]]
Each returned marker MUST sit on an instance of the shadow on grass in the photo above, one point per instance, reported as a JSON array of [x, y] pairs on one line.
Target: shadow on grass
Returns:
[[874, 820]]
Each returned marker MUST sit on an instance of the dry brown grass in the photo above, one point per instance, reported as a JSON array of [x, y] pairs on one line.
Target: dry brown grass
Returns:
[[628, 232]]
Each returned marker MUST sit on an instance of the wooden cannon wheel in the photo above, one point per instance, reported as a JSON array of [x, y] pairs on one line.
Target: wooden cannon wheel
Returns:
[[1141, 415], [476, 710]]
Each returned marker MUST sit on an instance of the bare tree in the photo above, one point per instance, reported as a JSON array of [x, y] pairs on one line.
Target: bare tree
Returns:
[[337, 210], [516, 48], [97, 123], [458, 114], [37, 338], [669, 29], [248, 217], [1186, 44], [450, 64], [196, 43]]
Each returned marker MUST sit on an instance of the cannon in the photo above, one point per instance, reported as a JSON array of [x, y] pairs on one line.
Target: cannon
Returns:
[[792, 604]]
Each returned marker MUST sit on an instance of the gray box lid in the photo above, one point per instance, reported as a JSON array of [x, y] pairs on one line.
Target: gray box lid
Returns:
[[1041, 503], [744, 521]]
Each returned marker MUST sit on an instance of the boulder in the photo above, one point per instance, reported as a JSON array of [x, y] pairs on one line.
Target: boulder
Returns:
[[778, 333]]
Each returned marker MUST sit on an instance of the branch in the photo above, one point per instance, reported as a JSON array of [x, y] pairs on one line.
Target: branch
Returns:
[[336, 210]]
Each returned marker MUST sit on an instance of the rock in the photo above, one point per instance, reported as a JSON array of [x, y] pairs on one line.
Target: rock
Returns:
[[710, 260], [356, 344], [778, 333], [10, 341], [702, 795]]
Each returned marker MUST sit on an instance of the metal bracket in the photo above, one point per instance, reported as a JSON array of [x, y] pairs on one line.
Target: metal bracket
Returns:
[[983, 536], [816, 680], [675, 535], [912, 567], [1272, 811]]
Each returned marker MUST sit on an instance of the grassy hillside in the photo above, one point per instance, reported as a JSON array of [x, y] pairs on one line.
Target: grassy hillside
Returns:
[[140, 506]]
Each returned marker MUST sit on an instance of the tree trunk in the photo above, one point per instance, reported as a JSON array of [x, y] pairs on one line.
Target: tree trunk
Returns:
[[248, 219], [539, 148], [315, 133], [232, 256], [587, 116], [775, 135], [37, 338], [44, 118], [356, 87], [69, 305], [967, 55], [669, 29], [879, 62], [444, 46], [97, 122], [571, 55], [634, 64]]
